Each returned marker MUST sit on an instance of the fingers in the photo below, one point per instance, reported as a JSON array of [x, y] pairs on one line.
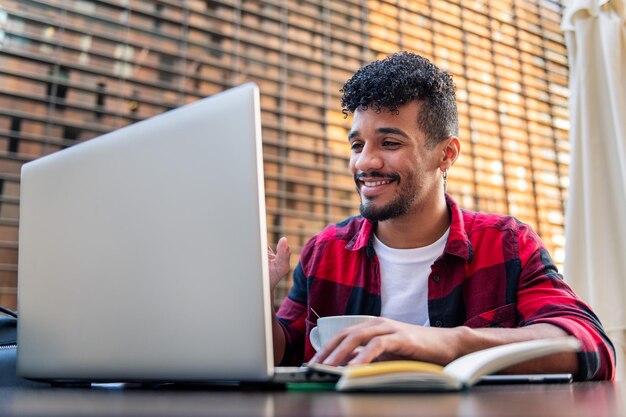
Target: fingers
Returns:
[[361, 343], [283, 255], [376, 347], [282, 247], [278, 261]]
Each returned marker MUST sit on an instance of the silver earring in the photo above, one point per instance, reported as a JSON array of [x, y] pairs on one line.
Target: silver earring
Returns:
[[445, 181]]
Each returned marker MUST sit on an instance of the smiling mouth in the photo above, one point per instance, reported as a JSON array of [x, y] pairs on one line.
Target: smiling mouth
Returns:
[[375, 179], [375, 183], [370, 188]]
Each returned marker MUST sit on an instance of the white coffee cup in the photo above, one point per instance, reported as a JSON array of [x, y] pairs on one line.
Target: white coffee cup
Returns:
[[328, 327]]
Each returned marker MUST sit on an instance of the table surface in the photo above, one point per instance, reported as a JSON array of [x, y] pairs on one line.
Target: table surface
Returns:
[[597, 399]]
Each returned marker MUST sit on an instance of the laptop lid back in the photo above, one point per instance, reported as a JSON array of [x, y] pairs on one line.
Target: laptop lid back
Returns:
[[143, 253]]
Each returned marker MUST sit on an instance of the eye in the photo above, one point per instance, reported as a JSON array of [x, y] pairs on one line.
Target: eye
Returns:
[[356, 146], [391, 144]]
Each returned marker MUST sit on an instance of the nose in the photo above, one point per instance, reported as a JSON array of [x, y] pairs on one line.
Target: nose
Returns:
[[368, 159]]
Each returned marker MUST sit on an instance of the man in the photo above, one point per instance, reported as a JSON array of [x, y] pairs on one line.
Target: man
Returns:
[[444, 281]]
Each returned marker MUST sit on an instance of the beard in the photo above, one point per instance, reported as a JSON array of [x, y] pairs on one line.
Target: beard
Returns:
[[400, 204]]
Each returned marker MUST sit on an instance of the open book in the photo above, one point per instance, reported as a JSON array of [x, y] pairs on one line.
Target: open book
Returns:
[[458, 374]]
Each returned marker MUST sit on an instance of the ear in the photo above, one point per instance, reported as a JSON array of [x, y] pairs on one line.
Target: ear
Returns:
[[450, 149]]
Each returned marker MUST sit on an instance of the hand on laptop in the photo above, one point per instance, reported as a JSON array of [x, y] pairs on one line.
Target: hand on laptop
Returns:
[[279, 261]]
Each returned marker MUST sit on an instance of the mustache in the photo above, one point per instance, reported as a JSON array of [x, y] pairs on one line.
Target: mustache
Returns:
[[376, 174]]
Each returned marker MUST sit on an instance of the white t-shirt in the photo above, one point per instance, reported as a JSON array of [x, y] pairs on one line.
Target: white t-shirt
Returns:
[[404, 280]]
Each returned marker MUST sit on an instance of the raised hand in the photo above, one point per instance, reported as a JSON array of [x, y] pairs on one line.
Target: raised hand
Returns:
[[278, 261]]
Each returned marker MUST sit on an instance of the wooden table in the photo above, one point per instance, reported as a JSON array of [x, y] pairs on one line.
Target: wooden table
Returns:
[[571, 400]]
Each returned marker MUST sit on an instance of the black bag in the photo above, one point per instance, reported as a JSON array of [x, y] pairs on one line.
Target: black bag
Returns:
[[8, 351]]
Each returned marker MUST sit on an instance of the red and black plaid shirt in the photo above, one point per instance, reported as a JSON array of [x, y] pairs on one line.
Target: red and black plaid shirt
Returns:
[[494, 272]]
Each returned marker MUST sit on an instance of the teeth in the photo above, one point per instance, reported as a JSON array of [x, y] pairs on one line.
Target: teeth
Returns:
[[375, 183]]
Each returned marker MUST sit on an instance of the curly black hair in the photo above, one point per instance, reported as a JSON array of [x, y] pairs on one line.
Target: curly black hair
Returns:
[[398, 79]]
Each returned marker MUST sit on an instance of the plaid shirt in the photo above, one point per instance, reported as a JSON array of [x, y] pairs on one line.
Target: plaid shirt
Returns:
[[494, 272]]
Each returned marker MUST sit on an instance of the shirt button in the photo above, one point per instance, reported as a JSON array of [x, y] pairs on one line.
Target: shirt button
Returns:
[[436, 278], [438, 323]]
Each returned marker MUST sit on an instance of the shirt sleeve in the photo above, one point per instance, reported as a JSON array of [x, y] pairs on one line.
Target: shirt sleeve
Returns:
[[292, 317], [544, 297]]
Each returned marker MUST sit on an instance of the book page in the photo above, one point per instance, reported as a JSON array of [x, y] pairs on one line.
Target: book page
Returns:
[[398, 375], [469, 368]]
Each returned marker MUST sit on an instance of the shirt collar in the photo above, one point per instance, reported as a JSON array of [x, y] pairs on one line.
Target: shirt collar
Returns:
[[458, 243], [363, 237]]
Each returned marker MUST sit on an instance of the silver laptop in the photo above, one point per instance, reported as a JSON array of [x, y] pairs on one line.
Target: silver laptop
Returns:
[[143, 251]]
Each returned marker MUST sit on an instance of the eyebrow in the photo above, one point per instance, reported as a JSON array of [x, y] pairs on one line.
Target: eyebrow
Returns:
[[383, 130]]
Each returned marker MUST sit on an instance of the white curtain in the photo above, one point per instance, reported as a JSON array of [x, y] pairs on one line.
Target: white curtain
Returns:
[[595, 223]]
